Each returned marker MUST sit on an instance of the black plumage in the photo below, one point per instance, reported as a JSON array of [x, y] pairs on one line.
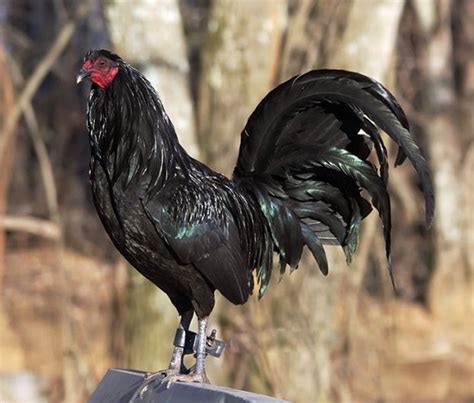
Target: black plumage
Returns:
[[303, 162]]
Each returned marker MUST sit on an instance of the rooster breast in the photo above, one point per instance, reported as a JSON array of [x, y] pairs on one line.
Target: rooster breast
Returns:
[[135, 237]]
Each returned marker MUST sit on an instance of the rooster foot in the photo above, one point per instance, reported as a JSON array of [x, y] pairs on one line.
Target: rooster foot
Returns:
[[160, 375], [188, 378], [154, 379]]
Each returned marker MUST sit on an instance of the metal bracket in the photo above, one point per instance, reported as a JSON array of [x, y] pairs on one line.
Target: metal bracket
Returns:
[[188, 341]]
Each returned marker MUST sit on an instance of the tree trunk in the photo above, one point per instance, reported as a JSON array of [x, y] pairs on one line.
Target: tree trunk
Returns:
[[240, 62], [450, 137], [6, 159]]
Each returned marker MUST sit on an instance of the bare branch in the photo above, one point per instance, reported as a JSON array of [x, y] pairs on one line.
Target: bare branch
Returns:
[[31, 225], [46, 168], [38, 75]]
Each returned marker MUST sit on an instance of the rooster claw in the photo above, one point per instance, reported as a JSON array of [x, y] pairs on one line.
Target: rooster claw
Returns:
[[166, 378], [159, 375], [188, 378], [152, 380]]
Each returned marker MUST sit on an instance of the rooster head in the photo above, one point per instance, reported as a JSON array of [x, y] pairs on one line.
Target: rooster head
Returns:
[[100, 66]]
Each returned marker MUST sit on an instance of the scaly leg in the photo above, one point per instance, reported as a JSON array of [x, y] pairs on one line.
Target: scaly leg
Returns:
[[176, 364], [201, 350], [199, 372]]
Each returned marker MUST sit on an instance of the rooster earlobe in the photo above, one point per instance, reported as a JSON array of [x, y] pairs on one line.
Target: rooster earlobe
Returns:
[[104, 79]]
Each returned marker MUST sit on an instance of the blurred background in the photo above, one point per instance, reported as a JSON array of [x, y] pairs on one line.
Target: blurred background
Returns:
[[71, 307]]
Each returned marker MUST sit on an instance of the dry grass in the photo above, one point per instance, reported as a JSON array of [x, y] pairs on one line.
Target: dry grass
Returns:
[[31, 317], [390, 350], [400, 352]]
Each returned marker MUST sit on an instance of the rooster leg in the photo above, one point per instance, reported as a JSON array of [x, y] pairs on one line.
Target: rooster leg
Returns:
[[198, 372], [200, 369], [176, 364]]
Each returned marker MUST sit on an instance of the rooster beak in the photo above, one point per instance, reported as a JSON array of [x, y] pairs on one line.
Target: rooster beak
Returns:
[[82, 74]]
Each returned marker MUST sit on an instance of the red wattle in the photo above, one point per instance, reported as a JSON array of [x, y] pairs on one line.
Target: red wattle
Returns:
[[103, 80]]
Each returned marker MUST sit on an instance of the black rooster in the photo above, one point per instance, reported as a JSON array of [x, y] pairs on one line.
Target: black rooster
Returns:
[[304, 159]]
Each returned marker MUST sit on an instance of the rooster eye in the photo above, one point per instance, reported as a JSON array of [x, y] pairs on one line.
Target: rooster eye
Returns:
[[100, 63]]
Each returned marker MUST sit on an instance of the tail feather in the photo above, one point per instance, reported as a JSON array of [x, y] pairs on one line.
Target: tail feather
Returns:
[[352, 237], [319, 191], [326, 216], [316, 247], [390, 124], [363, 174], [284, 228], [380, 148], [304, 156]]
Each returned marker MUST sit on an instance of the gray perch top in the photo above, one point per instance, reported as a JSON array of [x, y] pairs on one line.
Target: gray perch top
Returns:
[[121, 385]]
